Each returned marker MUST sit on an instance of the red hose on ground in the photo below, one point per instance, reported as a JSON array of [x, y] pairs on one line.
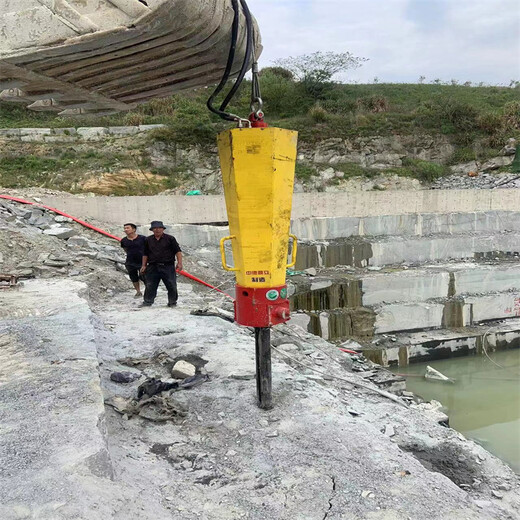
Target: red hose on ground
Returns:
[[54, 210], [348, 351], [101, 231]]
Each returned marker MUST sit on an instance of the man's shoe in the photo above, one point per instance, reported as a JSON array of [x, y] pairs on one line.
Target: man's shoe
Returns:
[[145, 304], [172, 304]]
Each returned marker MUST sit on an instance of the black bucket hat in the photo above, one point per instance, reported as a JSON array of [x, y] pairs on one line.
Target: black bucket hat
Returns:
[[156, 224]]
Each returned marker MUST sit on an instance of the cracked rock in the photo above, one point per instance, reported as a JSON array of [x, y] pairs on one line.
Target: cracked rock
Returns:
[[61, 232]]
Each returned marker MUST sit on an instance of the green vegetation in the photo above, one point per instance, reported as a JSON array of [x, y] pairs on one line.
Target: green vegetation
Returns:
[[28, 170], [64, 168], [425, 171], [304, 172], [302, 96], [464, 113], [354, 170]]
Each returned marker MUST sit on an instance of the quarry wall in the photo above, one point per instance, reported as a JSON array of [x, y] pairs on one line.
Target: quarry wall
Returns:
[[211, 208]]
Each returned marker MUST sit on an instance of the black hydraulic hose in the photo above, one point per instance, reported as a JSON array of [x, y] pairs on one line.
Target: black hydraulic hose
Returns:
[[248, 54], [231, 58]]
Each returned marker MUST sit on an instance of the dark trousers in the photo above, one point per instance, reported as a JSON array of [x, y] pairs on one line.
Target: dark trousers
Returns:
[[154, 274]]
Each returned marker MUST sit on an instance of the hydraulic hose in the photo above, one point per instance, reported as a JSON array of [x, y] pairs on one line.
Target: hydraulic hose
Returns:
[[105, 233], [247, 60], [54, 210]]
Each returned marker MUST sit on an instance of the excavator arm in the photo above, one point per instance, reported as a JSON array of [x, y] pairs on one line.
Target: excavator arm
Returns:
[[99, 57]]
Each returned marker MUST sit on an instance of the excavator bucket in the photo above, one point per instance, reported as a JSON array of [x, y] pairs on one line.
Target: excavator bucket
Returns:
[[103, 56]]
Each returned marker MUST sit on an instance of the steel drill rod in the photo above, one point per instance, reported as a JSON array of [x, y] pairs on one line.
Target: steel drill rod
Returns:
[[263, 367]]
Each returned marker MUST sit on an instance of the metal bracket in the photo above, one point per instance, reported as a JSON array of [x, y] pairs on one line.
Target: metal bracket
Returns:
[[294, 250], [225, 266]]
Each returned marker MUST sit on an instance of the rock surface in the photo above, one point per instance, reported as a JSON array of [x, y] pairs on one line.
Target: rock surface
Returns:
[[335, 446]]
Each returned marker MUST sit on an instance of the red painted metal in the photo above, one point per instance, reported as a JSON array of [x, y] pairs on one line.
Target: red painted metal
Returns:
[[257, 121], [263, 307]]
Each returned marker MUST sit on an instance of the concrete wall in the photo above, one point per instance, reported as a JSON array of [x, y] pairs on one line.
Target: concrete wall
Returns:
[[211, 208]]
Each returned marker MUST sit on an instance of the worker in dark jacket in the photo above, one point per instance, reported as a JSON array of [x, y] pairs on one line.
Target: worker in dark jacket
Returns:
[[160, 252], [133, 244]]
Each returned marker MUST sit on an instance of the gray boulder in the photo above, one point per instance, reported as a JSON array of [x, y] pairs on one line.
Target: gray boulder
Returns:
[[60, 232]]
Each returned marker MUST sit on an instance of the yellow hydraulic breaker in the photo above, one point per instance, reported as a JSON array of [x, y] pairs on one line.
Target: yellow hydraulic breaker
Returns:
[[258, 175]]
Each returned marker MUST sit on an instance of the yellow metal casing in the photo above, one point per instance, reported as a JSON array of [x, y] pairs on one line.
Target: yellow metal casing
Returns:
[[258, 175]]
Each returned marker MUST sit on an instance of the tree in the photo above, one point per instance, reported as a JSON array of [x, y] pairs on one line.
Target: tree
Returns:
[[316, 71], [278, 71]]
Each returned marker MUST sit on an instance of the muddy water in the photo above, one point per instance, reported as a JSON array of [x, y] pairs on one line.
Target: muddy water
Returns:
[[484, 402]]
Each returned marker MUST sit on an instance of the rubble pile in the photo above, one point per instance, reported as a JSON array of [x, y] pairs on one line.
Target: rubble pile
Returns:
[[36, 243], [482, 181]]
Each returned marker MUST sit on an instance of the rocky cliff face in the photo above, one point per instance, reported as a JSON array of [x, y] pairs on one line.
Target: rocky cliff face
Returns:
[[381, 152], [363, 163], [374, 153], [135, 161]]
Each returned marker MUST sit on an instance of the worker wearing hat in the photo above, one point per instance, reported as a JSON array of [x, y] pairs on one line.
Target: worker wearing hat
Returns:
[[160, 253]]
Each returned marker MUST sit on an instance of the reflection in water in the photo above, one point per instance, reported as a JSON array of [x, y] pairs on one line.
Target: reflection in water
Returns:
[[484, 402]]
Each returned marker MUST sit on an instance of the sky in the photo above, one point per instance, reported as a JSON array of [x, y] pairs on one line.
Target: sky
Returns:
[[463, 40]]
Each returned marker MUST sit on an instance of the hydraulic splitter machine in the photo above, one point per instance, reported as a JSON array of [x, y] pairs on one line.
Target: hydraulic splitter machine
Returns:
[[258, 175]]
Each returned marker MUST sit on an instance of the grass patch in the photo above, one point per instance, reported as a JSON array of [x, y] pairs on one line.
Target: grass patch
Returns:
[[465, 154], [175, 176], [425, 171], [305, 172], [346, 110], [63, 170], [28, 170], [354, 170], [477, 120]]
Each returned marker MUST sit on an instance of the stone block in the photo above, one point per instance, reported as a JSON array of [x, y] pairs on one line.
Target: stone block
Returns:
[[59, 138], [40, 222], [35, 131], [389, 225], [494, 306], [473, 279], [190, 235], [10, 132], [183, 369], [408, 316], [61, 232], [87, 254], [301, 320], [61, 218], [328, 174], [325, 228], [405, 286], [465, 168], [462, 222], [506, 220], [64, 131], [34, 134], [77, 242], [95, 133], [147, 128], [433, 224], [122, 131], [403, 250]]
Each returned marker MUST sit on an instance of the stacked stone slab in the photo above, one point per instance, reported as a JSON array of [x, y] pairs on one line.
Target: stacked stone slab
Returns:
[[411, 295], [410, 238], [102, 56]]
